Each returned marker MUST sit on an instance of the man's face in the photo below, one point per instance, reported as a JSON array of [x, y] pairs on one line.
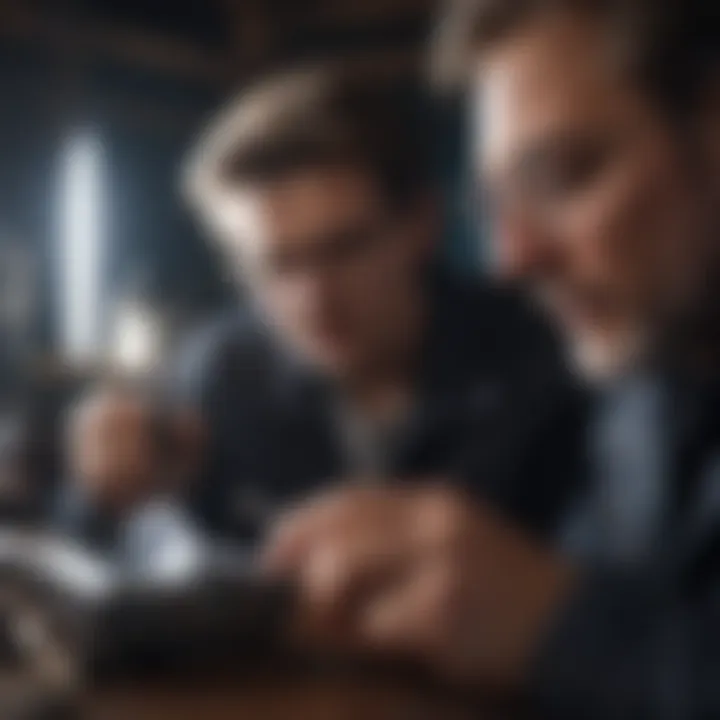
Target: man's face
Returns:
[[594, 200], [329, 267]]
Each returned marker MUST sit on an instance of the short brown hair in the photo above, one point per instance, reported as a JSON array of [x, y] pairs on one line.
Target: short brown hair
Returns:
[[672, 46], [312, 118]]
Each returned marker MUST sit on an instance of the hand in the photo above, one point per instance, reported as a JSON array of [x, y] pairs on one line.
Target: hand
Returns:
[[116, 448], [423, 573]]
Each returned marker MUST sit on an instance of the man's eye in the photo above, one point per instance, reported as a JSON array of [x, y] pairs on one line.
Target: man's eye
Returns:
[[570, 174], [323, 252]]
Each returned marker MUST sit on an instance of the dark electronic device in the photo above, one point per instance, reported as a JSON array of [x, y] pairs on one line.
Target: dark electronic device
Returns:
[[71, 621]]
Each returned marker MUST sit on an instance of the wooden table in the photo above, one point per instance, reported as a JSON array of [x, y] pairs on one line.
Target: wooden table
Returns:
[[280, 697]]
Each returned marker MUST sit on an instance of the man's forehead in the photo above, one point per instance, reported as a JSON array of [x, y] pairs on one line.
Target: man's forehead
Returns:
[[298, 206], [551, 77]]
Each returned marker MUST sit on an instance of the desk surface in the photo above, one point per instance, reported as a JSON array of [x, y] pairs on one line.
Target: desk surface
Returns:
[[281, 698]]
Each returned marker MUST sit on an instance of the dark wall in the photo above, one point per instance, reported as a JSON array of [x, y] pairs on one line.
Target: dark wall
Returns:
[[146, 121]]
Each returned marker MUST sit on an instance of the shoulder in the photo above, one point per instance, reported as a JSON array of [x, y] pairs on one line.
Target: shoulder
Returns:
[[231, 350], [503, 310], [500, 327]]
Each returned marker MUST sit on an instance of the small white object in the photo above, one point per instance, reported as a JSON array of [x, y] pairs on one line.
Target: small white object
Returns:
[[81, 250], [161, 543]]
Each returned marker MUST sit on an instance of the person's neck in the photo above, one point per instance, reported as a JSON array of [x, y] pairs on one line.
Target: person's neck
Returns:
[[384, 388]]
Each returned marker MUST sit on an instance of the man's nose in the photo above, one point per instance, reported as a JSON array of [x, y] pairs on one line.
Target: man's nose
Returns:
[[521, 249], [316, 289]]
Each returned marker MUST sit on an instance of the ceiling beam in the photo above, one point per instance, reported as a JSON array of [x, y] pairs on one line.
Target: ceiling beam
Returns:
[[327, 13], [388, 63], [89, 40], [254, 38]]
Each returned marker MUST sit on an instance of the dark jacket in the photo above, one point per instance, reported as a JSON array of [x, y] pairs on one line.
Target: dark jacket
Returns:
[[486, 393], [643, 642]]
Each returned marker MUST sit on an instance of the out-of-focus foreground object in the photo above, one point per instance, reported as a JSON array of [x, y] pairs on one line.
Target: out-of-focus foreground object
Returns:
[[80, 639], [71, 625]]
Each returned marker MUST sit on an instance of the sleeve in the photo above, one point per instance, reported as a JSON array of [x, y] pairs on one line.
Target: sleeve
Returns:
[[75, 515], [225, 375], [73, 512], [629, 646], [525, 455]]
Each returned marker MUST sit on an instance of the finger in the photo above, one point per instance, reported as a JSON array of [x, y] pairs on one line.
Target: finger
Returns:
[[340, 573], [343, 510], [287, 541], [417, 619], [337, 583]]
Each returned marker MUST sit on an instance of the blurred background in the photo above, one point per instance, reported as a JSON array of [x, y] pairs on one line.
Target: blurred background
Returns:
[[100, 263], [102, 98]]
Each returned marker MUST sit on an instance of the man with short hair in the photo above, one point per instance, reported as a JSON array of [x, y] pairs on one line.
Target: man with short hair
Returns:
[[359, 360], [599, 134]]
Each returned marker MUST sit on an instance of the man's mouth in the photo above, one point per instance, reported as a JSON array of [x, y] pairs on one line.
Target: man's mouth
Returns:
[[575, 310]]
